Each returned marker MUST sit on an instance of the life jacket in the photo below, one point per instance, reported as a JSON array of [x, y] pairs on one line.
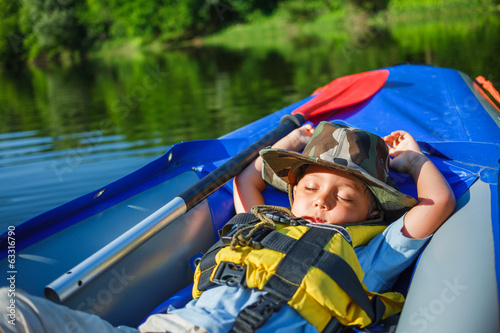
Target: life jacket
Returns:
[[311, 267]]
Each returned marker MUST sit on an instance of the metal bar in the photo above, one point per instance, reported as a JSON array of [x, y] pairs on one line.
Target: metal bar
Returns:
[[78, 277]]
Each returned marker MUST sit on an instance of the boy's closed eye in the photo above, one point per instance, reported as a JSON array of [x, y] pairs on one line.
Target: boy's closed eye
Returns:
[[349, 194], [346, 195], [311, 188], [346, 198]]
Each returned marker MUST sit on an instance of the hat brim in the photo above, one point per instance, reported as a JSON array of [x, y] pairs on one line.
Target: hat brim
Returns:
[[279, 162]]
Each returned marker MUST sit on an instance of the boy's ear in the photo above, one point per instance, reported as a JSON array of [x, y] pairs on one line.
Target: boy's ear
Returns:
[[291, 196], [374, 214]]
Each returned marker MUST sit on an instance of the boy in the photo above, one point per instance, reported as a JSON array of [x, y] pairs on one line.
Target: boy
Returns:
[[340, 179]]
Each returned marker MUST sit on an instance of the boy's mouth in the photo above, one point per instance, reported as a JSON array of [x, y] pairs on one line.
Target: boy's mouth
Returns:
[[314, 219]]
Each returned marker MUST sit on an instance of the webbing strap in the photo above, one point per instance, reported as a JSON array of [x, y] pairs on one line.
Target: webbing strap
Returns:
[[335, 326], [343, 274], [256, 314], [207, 264], [208, 261], [277, 241], [335, 267], [300, 256], [238, 219]]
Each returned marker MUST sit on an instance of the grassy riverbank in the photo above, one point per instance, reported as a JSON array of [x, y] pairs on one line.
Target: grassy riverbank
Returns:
[[72, 32], [351, 24]]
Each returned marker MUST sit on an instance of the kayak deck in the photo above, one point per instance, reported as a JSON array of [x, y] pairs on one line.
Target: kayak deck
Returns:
[[442, 108]]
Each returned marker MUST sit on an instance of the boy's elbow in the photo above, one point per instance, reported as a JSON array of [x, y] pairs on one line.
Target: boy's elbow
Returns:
[[447, 202]]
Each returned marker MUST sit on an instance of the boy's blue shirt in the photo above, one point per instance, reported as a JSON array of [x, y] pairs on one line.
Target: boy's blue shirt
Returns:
[[382, 260]]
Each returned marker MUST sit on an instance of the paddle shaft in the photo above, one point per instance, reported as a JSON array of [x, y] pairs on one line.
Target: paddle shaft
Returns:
[[214, 180], [78, 277]]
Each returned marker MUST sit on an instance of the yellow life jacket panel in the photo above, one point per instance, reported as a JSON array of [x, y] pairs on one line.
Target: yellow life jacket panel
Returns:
[[315, 270]]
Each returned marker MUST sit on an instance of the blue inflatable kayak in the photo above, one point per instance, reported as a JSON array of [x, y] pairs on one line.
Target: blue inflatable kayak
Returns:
[[454, 284]]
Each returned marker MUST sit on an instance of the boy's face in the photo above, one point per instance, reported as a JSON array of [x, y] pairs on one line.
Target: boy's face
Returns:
[[324, 195]]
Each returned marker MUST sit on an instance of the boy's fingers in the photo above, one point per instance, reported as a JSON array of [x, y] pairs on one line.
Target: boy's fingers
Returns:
[[388, 139], [307, 129]]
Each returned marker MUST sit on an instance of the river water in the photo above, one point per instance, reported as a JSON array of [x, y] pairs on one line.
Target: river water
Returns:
[[67, 131]]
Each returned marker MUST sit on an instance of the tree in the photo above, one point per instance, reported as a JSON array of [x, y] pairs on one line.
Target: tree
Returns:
[[52, 28], [11, 39]]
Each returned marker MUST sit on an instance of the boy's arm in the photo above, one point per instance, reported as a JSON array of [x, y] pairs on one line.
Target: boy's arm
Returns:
[[436, 200], [248, 186]]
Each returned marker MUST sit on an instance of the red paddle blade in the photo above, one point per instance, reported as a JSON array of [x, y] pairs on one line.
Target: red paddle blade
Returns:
[[344, 91]]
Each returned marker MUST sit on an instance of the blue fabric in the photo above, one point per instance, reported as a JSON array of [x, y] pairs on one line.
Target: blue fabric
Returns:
[[387, 256], [383, 259]]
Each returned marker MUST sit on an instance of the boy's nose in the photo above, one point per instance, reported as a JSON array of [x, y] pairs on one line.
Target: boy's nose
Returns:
[[323, 202]]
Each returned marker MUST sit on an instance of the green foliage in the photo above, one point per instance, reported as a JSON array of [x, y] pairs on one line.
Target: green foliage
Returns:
[[419, 5], [11, 40], [146, 19], [305, 11], [177, 19], [53, 29], [244, 8], [372, 5], [96, 17], [131, 18]]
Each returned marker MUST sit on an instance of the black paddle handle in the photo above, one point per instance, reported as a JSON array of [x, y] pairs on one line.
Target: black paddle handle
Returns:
[[215, 179]]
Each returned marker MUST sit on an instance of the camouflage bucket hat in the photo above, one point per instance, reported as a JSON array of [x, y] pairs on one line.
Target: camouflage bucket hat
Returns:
[[335, 146]]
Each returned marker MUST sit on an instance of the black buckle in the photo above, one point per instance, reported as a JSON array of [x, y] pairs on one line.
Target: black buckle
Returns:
[[257, 314], [257, 237], [230, 274], [280, 217]]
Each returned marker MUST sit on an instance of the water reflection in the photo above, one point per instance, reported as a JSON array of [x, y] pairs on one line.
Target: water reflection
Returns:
[[68, 131]]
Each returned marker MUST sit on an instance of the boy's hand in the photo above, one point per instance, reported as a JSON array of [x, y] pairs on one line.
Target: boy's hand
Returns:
[[405, 152], [248, 185], [297, 139], [435, 197]]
